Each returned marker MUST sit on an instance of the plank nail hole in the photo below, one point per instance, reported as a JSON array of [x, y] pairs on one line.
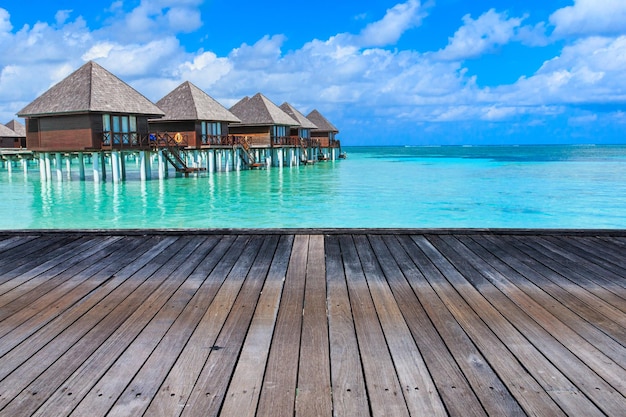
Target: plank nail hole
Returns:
[[138, 395], [34, 393], [349, 390], [453, 387], [490, 387], [100, 395], [386, 389], [417, 388], [69, 393], [172, 395]]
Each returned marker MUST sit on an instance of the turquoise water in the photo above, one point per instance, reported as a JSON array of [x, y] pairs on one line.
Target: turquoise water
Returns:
[[386, 187]]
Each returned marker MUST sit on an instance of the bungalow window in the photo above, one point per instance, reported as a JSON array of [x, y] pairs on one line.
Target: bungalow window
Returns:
[[106, 130], [116, 130], [278, 132], [305, 133], [211, 130], [119, 130]]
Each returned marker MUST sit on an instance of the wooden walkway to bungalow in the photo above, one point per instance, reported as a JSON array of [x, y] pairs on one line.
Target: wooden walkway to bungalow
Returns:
[[317, 323]]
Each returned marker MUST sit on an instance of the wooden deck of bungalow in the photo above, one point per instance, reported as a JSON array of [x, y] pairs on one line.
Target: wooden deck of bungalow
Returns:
[[313, 323]]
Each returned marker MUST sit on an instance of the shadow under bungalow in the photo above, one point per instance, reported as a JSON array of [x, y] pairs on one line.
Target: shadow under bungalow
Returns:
[[93, 116]]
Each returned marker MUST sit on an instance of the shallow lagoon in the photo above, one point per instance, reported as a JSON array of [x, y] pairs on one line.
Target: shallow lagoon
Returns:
[[376, 187]]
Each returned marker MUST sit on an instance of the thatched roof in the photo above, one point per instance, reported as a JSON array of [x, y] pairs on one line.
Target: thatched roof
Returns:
[[259, 110], [17, 127], [321, 122], [188, 102], [90, 88], [296, 115], [5, 132]]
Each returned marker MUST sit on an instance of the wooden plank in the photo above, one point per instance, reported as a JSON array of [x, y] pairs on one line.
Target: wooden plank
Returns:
[[347, 380], [565, 372], [279, 384], [584, 364], [419, 390], [383, 388], [546, 279], [29, 289], [100, 380], [603, 253], [213, 270], [37, 353], [570, 280], [173, 394], [34, 265], [589, 277], [58, 322], [21, 325], [244, 390], [314, 396], [476, 366], [528, 392], [598, 270], [452, 385], [10, 243], [566, 309], [218, 369], [21, 260], [72, 352]]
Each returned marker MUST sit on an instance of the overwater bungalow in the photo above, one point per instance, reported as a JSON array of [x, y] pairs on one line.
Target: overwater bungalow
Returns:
[[266, 128], [92, 112], [20, 129], [262, 122], [91, 109], [193, 118], [302, 133], [325, 133], [10, 139]]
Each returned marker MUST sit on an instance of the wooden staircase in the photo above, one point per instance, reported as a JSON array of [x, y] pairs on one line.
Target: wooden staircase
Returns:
[[249, 158], [172, 147]]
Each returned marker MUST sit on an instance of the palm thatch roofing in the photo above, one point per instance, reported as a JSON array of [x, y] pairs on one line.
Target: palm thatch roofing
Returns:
[[6, 132], [188, 102], [260, 111], [323, 125], [17, 127], [296, 115], [91, 88]]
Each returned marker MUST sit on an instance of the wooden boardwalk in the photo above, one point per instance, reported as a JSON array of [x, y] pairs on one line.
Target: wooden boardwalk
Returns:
[[467, 323]]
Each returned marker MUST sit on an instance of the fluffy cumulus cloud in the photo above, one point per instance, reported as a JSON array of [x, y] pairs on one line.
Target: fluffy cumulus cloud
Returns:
[[361, 76], [481, 35], [390, 28], [590, 17]]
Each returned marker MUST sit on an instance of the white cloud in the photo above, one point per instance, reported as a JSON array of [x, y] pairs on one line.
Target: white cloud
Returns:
[[479, 36], [590, 17], [152, 18], [358, 74], [390, 28], [588, 71], [61, 16], [5, 21]]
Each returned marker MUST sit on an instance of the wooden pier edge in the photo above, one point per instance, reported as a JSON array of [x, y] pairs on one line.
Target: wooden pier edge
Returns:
[[313, 322]]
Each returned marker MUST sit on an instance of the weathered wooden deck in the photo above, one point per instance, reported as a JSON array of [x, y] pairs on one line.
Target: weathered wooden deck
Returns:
[[313, 324]]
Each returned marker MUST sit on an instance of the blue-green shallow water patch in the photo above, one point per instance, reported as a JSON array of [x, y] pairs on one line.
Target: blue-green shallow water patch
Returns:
[[382, 187]]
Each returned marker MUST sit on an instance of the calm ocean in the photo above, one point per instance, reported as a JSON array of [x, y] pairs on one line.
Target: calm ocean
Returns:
[[376, 187]]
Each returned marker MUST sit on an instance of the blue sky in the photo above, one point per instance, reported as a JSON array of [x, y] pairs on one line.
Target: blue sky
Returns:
[[384, 72]]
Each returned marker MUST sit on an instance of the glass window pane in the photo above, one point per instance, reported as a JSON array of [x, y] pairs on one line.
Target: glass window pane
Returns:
[[106, 122], [203, 128], [125, 124], [116, 123], [133, 123]]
